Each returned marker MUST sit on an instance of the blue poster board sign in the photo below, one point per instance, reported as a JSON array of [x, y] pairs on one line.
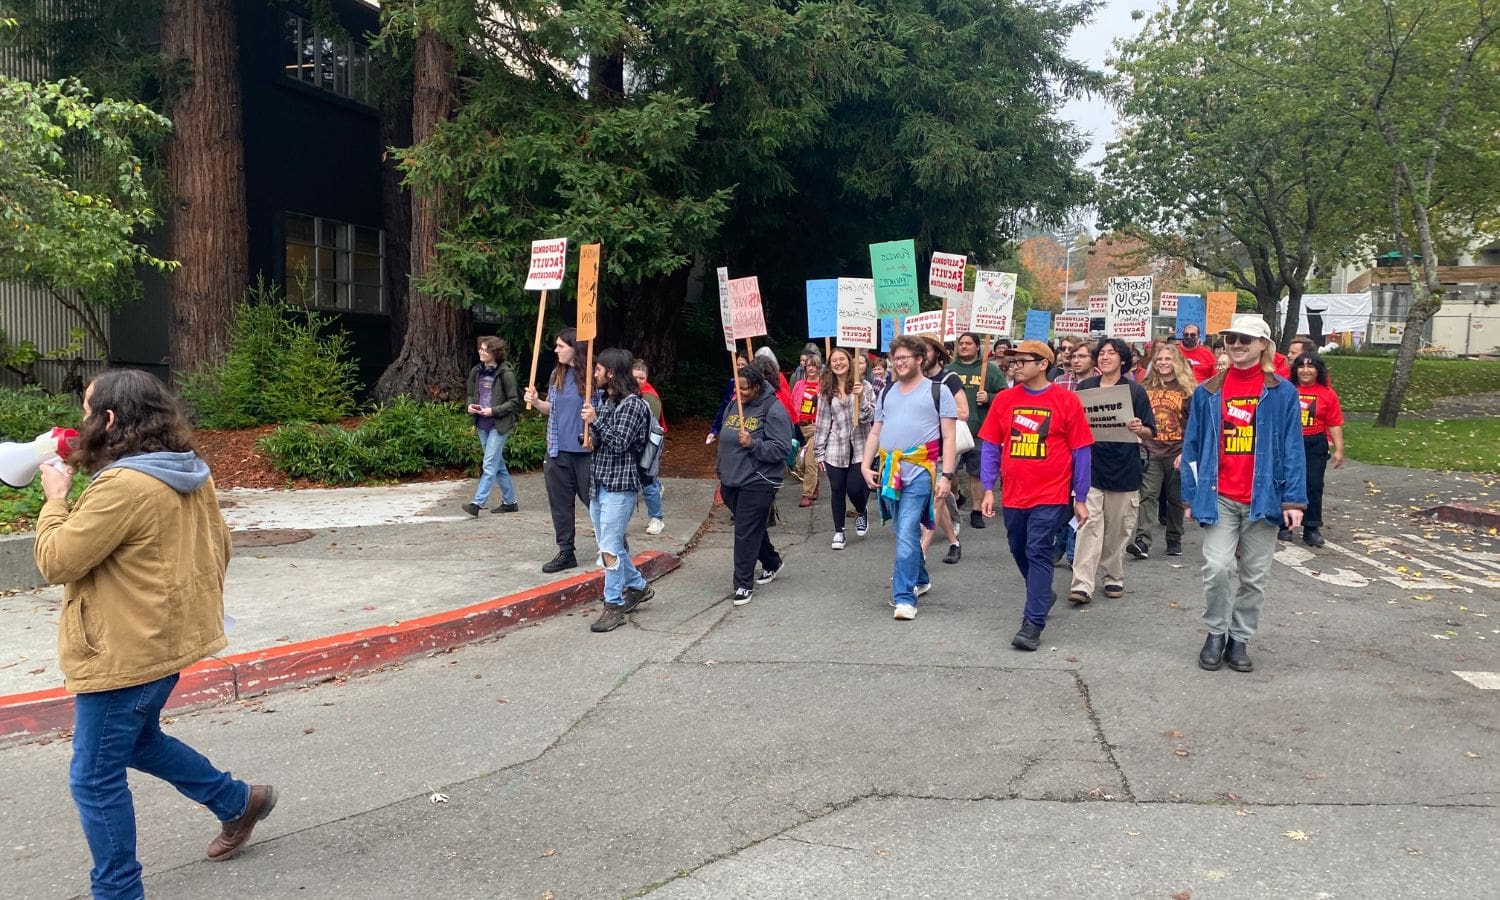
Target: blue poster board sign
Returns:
[[1192, 309], [888, 328], [1038, 325], [823, 308]]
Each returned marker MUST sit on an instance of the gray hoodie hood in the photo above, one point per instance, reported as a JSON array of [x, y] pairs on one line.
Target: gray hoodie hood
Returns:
[[183, 472]]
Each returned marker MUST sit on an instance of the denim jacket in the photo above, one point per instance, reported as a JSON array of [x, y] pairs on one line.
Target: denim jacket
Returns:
[[1280, 480]]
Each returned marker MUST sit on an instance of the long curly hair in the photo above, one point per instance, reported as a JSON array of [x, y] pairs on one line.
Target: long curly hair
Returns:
[[1180, 371], [619, 380], [146, 419]]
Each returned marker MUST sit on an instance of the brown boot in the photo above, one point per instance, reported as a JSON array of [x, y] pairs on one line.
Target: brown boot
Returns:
[[235, 834]]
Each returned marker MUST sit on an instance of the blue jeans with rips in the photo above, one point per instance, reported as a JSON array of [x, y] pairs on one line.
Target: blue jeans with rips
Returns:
[[910, 568], [493, 470], [113, 730], [611, 512], [1032, 534]]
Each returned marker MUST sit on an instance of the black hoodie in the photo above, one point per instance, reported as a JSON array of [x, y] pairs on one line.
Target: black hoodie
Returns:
[[764, 461]]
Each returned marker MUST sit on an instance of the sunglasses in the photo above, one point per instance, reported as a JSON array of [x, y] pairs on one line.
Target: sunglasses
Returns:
[[1230, 338]]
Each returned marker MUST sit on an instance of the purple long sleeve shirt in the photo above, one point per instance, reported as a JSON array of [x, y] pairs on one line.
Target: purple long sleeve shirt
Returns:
[[989, 464]]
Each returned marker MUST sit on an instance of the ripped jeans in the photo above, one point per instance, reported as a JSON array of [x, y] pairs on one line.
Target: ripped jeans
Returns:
[[611, 512]]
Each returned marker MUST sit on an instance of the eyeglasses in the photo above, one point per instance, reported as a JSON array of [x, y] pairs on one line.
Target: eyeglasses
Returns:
[[1021, 361], [1230, 338], [902, 357]]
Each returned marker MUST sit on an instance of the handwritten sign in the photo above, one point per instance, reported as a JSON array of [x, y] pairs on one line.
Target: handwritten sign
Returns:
[[588, 292], [923, 323], [888, 329], [856, 312], [549, 260], [1166, 304], [894, 267], [945, 277], [1192, 310], [744, 302], [1220, 310], [1129, 312], [822, 308], [1038, 325], [994, 303], [1072, 323], [960, 315], [1098, 305], [1108, 410], [726, 309]]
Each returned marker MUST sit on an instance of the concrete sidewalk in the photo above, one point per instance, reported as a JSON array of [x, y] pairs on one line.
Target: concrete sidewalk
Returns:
[[382, 566]]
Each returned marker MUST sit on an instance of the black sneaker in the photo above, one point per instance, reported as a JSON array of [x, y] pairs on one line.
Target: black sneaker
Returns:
[[767, 576], [471, 508], [1028, 638], [955, 553], [563, 560], [1138, 548], [1174, 548], [507, 507], [1286, 534], [1114, 591], [961, 499], [612, 617], [1312, 537], [976, 519]]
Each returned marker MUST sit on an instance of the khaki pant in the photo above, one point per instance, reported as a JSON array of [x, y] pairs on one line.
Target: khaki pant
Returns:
[[807, 462], [1102, 539]]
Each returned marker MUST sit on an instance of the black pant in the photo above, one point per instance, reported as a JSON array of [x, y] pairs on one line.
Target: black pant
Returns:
[[1316, 447], [567, 476], [751, 508], [848, 482]]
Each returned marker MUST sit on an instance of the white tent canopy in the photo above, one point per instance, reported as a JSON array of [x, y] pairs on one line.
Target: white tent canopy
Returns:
[[1338, 312]]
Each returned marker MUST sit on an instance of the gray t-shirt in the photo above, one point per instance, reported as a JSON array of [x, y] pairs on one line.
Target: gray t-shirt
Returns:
[[911, 419]]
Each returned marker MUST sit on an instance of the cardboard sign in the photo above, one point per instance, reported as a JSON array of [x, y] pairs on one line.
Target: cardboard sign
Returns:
[[1129, 313], [726, 310], [994, 306], [945, 277], [588, 292], [856, 312], [1220, 310], [1038, 325], [549, 261], [894, 267], [1166, 304], [1098, 305], [960, 314], [1072, 323], [822, 308], [888, 330], [1108, 410], [1192, 310], [744, 302], [923, 323]]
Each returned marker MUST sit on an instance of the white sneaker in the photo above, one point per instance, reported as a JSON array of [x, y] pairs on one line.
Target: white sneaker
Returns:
[[655, 526], [741, 596], [921, 589], [768, 576], [838, 540], [906, 612]]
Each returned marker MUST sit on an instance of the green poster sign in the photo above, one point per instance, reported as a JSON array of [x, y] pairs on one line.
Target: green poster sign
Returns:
[[894, 268]]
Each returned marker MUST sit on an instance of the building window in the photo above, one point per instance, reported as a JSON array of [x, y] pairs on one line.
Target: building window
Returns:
[[326, 61], [334, 265]]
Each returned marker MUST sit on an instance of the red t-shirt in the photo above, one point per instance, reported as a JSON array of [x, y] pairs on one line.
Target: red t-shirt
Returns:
[[1037, 434], [1241, 395], [1283, 368], [1201, 360], [805, 396], [1320, 408]]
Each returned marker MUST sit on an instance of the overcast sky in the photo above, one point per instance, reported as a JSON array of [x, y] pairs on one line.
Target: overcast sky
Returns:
[[1091, 44]]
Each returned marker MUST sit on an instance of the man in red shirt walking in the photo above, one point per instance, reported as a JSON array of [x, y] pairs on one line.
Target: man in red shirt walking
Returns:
[[1199, 357]]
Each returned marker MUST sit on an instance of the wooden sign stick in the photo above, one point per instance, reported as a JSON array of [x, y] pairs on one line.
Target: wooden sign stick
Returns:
[[735, 378], [588, 394], [536, 345], [943, 324], [827, 348]]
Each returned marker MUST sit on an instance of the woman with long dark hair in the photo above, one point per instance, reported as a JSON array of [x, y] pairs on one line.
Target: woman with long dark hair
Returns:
[[751, 467], [1322, 426], [845, 408], [619, 428], [566, 467], [141, 554], [494, 403]]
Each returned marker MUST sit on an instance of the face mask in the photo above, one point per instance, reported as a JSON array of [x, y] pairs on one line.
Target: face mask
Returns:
[[1190, 341]]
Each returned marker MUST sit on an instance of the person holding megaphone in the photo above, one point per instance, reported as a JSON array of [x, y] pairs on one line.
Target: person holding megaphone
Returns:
[[141, 554]]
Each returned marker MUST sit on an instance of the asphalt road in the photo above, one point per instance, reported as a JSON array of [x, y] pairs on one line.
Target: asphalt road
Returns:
[[809, 745]]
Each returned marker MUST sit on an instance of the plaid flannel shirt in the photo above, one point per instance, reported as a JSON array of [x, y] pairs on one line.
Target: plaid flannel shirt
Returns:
[[619, 432], [836, 442]]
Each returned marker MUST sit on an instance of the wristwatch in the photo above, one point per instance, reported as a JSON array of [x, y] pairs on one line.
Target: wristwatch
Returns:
[[947, 475]]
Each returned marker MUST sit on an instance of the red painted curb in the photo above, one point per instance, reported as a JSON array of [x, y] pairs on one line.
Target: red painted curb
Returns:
[[1465, 514], [223, 679]]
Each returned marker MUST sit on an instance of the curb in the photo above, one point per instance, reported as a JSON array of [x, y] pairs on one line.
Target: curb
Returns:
[[1464, 514], [223, 679]]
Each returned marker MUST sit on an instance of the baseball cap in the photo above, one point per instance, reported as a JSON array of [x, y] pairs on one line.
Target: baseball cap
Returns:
[[1032, 348], [1251, 325]]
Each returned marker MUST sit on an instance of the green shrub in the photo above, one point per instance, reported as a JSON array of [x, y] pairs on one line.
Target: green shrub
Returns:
[[284, 365], [403, 439], [29, 411], [19, 506]]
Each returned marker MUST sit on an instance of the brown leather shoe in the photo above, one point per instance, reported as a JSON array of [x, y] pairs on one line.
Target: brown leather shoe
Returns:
[[236, 833]]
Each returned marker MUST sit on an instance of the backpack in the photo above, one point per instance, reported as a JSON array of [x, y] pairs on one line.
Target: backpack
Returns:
[[649, 460]]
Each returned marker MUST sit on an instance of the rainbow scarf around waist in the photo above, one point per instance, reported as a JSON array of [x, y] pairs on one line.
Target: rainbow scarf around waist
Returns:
[[923, 456]]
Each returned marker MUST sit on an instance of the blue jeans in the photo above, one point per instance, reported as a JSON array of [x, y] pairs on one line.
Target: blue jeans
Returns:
[[910, 569], [113, 730], [493, 471], [1032, 534], [651, 493], [610, 512]]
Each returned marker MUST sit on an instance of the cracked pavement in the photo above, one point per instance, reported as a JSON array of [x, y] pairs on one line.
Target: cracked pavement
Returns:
[[807, 745]]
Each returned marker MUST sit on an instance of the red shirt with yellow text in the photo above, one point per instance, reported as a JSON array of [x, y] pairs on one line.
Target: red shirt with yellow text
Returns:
[[1238, 400]]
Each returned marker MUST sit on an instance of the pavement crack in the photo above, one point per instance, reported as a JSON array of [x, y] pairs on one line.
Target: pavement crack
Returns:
[[1127, 793]]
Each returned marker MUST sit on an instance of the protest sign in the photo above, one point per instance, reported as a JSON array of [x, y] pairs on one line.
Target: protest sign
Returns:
[[945, 277], [1038, 325], [588, 292], [1129, 313], [549, 260], [726, 310], [1220, 310], [822, 308], [923, 323], [1108, 410], [888, 331], [856, 312], [1098, 305], [744, 302], [1166, 304], [1072, 323], [894, 267], [1192, 310], [994, 306]]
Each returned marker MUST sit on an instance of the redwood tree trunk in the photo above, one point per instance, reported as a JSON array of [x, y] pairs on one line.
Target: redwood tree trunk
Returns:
[[206, 220], [429, 366], [395, 131], [647, 321]]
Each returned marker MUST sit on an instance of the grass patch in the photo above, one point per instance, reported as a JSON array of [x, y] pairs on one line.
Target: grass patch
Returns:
[[1361, 380], [1458, 445]]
